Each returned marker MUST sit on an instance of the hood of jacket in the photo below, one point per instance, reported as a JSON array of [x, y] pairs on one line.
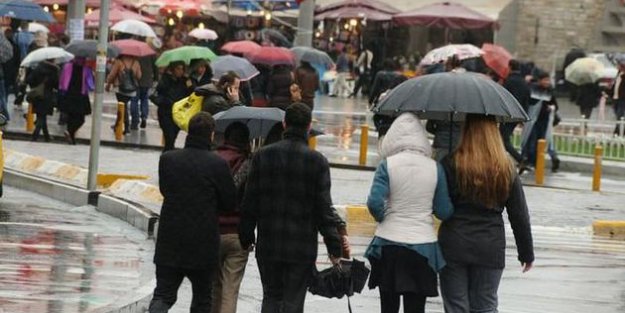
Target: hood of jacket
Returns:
[[406, 134], [209, 90]]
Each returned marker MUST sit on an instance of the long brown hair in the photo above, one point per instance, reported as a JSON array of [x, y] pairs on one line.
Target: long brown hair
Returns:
[[483, 168]]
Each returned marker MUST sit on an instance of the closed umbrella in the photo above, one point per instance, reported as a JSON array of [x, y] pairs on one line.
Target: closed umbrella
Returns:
[[24, 10], [450, 96], [36, 27], [463, 51], [584, 71], [258, 120], [241, 66], [272, 56], [185, 54], [204, 34], [89, 49], [241, 47], [134, 27], [48, 53], [312, 56], [133, 48]]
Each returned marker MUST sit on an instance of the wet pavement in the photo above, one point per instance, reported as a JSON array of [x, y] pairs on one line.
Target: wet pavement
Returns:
[[56, 258]]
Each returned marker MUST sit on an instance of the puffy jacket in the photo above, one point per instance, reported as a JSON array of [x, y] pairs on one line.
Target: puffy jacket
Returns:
[[215, 100]]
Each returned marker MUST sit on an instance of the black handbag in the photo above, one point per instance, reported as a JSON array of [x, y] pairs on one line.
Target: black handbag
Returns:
[[36, 93]]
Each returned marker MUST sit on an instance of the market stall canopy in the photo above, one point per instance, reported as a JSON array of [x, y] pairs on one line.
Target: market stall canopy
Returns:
[[117, 14], [88, 3], [359, 4], [352, 12], [446, 15], [24, 10]]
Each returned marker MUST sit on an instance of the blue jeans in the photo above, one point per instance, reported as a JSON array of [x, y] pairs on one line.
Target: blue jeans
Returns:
[[3, 100], [136, 110], [469, 288]]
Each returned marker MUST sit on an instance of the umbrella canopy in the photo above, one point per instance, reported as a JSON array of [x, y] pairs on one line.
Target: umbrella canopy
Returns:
[[276, 37], [360, 4], [204, 34], [36, 27], [24, 10], [312, 56], [258, 120], [497, 58], [241, 47], [134, 27], [89, 3], [187, 7], [464, 51], [133, 48], [89, 49], [272, 56], [185, 54], [117, 14], [353, 12], [445, 15], [48, 53], [584, 71], [241, 66], [450, 96]]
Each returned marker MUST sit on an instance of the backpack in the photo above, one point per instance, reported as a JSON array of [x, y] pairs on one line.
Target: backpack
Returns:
[[127, 80]]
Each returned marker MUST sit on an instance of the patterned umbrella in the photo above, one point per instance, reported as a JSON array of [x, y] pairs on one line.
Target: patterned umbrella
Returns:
[[464, 51], [497, 58]]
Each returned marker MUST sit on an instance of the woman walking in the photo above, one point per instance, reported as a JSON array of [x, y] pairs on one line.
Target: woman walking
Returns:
[[482, 182], [407, 187], [279, 87], [76, 82], [125, 74], [43, 81]]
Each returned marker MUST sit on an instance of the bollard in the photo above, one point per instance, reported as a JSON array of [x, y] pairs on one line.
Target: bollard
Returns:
[[30, 118], [364, 143], [596, 172], [119, 126], [312, 143], [540, 161]]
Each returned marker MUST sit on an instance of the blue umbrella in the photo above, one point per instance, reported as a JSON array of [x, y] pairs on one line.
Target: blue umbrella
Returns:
[[241, 66], [24, 10], [312, 56]]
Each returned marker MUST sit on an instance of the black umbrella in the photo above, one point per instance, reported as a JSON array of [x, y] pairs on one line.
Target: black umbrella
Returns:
[[258, 120], [339, 281], [89, 49], [451, 96]]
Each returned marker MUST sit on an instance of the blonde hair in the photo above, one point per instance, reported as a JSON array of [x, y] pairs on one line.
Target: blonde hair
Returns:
[[483, 169]]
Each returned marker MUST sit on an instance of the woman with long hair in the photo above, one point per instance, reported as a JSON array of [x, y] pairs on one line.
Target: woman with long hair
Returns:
[[482, 182]]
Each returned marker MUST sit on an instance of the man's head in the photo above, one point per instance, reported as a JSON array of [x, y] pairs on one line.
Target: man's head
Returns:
[[229, 80], [237, 134], [514, 65], [544, 80], [202, 125], [298, 116]]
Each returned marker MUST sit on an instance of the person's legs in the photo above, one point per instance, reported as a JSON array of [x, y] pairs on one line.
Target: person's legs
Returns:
[[74, 122], [619, 111], [483, 286], [202, 286], [44, 126], [168, 280], [271, 274], [233, 262], [4, 100], [134, 111], [145, 106], [389, 302], [296, 278], [357, 85], [38, 127], [414, 303], [455, 287], [507, 129]]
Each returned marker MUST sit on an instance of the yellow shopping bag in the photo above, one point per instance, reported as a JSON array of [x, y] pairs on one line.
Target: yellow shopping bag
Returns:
[[185, 109]]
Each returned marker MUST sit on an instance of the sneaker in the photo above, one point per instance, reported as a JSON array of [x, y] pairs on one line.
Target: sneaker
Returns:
[[143, 124]]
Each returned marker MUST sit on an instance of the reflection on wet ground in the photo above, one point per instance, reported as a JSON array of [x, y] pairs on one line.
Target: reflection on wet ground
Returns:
[[54, 258]]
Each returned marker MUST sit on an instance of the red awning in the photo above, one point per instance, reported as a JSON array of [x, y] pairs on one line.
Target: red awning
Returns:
[[446, 15], [351, 12], [369, 4]]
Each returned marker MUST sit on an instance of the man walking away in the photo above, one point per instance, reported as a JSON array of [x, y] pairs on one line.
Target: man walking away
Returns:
[[288, 199], [196, 185], [363, 64], [139, 105], [518, 87], [342, 69]]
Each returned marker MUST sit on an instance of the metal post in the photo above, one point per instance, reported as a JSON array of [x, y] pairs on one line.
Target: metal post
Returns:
[[96, 123], [364, 143], [75, 24], [540, 161], [596, 173], [305, 24]]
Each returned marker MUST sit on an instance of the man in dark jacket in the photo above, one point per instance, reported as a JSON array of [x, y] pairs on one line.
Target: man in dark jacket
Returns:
[[221, 96], [139, 105], [518, 87], [196, 185], [307, 78], [287, 199]]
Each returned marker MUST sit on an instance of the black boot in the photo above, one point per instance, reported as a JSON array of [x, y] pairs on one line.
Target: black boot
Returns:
[[555, 165]]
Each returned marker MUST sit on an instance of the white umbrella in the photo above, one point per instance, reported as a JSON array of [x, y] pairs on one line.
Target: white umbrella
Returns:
[[462, 51], [48, 53], [134, 27], [204, 33], [36, 27]]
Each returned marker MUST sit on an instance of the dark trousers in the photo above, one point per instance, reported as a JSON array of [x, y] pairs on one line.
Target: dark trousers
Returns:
[[124, 99], [363, 80], [74, 122], [41, 125], [468, 288], [506, 130], [586, 111], [284, 286], [139, 106], [412, 303], [168, 280], [169, 128], [619, 111]]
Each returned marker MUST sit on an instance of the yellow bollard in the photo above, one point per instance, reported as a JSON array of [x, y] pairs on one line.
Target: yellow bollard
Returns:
[[364, 144], [540, 161], [596, 173], [30, 119], [312, 143], [119, 127]]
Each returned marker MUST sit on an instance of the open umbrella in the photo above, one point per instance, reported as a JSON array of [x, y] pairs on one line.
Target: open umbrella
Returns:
[[185, 54], [584, 71], [134, 27], [241, 66], [89, 49], [241, 47], [312, 56], [450, 96], [133, 48], [116, 14], [36, 27], [48, 53], [354, 13], [463, 51], [497, 58], [24, 10], [276, 37], [258, 120], [204, 34], [272, 56]]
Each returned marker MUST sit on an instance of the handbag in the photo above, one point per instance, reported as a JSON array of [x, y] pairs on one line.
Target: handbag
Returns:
[[36, 93], [185, 109]]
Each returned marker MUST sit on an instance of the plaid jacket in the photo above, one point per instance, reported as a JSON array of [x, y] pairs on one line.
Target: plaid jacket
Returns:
[[288, 199]]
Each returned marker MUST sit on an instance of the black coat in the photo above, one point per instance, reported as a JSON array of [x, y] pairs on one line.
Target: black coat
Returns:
[[288, 199], [519, 88], [196, 185], [279, 89], [170, 90], [588, 95], [47, 74], [476, 235], [215, 100]]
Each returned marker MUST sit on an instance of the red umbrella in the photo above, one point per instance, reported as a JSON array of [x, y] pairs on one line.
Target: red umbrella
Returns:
[[367, 4], [497, 58], [116, 14], [272, 56], [241, 47], [446, 15], [354, 12], [187, 7], [133, 48]]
